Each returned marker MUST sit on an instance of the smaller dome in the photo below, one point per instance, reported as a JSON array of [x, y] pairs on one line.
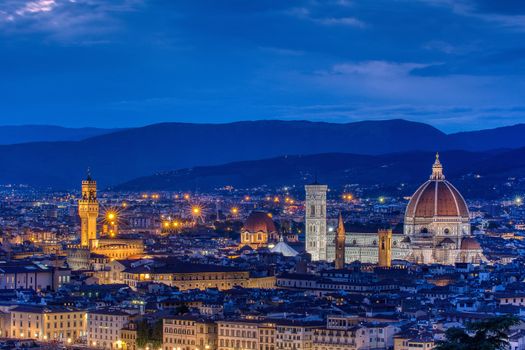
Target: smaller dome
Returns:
[[259, 221], [470, 243]]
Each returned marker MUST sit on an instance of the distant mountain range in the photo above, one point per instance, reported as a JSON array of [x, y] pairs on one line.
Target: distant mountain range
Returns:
[[117, 157], [12, 134], [398, 173]]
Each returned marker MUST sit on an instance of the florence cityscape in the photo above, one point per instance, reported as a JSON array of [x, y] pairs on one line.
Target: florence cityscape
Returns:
[[262, 175]]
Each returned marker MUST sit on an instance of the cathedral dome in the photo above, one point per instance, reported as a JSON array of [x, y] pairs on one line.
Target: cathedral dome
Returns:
[[259, 221], [470, 243], [437, 197]]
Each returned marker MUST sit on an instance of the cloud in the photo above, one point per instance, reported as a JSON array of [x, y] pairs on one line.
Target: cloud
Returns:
[[63, 20], [305, 13], [381, 69], [507, 14], [344, 21], [36, 7]]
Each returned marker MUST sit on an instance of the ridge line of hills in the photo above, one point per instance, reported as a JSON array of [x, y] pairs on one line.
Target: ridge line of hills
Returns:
[[476, 174], [119, 156]]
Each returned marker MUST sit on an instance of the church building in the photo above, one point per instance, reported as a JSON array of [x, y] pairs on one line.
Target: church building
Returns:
[[436, 229]]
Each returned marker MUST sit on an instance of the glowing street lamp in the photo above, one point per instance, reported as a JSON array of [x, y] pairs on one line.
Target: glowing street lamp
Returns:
[[111, 222], [234, 210], [348, 197], [518, 200]]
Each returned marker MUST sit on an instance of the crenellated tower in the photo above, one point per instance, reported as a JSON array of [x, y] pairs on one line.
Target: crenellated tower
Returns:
[[88, 209], [340, 243]]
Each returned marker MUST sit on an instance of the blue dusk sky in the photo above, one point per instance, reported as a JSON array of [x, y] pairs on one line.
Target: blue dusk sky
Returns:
[[455, 64]]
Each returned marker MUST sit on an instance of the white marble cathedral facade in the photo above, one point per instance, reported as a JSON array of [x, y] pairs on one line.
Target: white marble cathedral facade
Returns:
[[436, 228]]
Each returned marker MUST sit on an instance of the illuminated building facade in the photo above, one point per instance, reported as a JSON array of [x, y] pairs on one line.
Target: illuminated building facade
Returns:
[[189, 333], [48, 323], [340, 242], [79, 257], [88, 209], [436, 228], [258, 230], [385, 248], [187, 276], [104, 328], [315, 211]]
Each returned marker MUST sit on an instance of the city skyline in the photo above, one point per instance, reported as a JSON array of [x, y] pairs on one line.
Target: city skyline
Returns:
[[456, 65], [262, 175]]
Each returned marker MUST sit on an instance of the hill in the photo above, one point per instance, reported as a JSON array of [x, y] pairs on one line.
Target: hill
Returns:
[[120, 156], [398, 173], [12, 134]]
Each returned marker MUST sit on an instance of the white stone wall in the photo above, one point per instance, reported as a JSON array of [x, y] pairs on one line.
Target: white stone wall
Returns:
[[315, 221]]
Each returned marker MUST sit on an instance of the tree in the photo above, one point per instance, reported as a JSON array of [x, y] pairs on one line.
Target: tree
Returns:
[[488, 334]]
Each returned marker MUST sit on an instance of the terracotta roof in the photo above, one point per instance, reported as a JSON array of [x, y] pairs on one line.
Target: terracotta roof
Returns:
[[259, 221], [470, 243], [437, 197]]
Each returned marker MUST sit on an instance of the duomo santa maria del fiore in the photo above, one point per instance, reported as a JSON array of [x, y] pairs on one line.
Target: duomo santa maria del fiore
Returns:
[[436, 228]]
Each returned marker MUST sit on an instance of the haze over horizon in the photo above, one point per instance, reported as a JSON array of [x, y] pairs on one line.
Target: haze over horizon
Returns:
[[128, 63]]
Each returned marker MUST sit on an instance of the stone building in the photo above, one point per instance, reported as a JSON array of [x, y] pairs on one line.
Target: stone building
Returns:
[[189, 332], [315, 211], [104, 328], [79, 256], [436, 228], [47, 323], [258, 230]]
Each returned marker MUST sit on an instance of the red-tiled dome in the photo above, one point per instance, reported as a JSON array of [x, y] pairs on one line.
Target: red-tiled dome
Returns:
[[470, 243], [259, 221], [437, 197]]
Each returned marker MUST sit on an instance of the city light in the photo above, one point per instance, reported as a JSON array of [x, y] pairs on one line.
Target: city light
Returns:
[[234, 210], [348, 196], [518, 200]]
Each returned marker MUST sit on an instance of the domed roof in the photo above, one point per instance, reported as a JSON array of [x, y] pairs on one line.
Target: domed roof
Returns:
[[470, 243], [437, 197], [259, 221]]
